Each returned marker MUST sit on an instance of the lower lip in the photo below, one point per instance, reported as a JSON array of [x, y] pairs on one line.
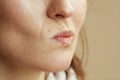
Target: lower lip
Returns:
[[65, 41]]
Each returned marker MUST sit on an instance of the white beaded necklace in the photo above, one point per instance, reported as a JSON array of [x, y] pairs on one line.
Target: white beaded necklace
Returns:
[[62, 75]]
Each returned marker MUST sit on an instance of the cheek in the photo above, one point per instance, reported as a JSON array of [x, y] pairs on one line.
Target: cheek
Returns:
[[21, 16], [9, 10], [79, 13]]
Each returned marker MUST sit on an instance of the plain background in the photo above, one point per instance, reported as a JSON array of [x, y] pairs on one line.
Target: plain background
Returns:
[[103, 32]]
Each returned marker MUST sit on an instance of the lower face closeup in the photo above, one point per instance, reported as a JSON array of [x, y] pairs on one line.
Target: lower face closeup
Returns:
[[41, 34]]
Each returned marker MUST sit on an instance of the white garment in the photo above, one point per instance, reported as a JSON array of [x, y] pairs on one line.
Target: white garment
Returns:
[[62, 75]]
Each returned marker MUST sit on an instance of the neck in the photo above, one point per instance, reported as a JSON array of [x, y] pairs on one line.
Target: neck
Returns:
[[10, 72]]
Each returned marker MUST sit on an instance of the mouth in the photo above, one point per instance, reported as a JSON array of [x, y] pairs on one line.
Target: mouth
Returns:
[[65, 38]]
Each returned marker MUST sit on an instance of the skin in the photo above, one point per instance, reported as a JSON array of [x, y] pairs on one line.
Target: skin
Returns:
[[26, 29]]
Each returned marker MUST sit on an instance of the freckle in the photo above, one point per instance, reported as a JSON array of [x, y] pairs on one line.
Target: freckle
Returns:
[[48, 30]]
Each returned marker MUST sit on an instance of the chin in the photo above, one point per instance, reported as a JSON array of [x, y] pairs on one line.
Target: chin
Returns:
[[59, 68], [59, 65], [55, 66]]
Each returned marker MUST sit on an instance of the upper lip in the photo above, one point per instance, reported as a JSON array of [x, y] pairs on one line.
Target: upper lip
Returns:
[[64, 34]]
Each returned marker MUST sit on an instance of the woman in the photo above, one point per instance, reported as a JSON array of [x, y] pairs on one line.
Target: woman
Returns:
[[38, 39]]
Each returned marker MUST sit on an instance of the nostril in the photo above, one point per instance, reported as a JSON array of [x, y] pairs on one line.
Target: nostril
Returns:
[[59, 16]]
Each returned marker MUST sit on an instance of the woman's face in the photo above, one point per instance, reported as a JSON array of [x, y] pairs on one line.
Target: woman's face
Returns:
[[28, 29]]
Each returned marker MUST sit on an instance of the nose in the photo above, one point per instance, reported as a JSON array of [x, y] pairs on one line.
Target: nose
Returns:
[[59, 9]]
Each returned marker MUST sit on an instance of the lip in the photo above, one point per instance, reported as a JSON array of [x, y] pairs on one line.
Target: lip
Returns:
[[65, 38]]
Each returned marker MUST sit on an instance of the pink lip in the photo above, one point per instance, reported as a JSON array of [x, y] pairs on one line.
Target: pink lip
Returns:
[[65, 38]]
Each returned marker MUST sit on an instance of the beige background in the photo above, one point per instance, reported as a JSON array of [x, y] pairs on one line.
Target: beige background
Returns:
[[103, 31]]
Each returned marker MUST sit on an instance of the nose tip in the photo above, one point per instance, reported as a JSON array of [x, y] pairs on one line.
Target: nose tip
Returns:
[[60, 11]]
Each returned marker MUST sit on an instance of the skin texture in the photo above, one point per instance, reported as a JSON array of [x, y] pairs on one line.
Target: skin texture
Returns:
[[26, 29]]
